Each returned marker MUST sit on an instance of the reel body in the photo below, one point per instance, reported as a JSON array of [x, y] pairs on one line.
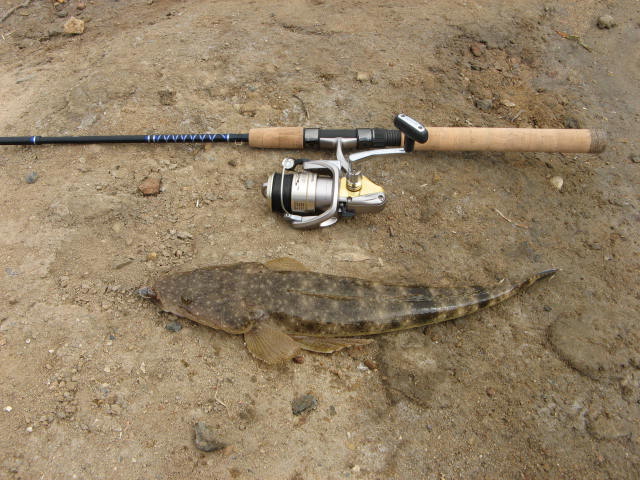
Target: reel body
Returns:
[[325, 190], [318, 195]]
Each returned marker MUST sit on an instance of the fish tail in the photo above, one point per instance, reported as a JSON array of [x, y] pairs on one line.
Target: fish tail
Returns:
[[500, 292], [455, 303]]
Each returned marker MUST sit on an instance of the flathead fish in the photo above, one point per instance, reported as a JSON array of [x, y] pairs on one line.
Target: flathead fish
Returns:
[[281, 309]]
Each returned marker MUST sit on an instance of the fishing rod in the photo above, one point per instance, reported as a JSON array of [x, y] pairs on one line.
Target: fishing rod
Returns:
[[321, 191]]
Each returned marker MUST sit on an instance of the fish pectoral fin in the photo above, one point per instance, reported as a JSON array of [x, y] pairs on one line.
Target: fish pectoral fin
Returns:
[[328, 344], [285, 264], [270, 344]]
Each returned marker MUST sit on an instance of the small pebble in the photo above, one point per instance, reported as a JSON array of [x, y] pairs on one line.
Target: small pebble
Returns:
[[233, 162], [29, 429], [303, 404], [173, 326], [205, 438], [81, 6], [605, 22], [557, 182], [8, 408], [477, 48], [62, 14], [298, 359], [547, 308], [150, 185], [152, 256], [484, 104], [570, 122], [363, 77], [74, 26], [371, 365], [31, 177], [249, 184], [490, 392], [167, 97], [635, 158], [184, 235]]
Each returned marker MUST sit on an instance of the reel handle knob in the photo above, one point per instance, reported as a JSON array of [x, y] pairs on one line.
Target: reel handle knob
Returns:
[[413, 131]]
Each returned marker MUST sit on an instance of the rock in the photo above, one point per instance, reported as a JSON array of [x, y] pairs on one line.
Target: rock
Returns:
[[74, 26], [606, 22], [62, 14], [150, 185], [249, 184], [298, 359], [635, 158], [173, 326], [31, 177], [205, 438], [184, 235], [304, 403], [81, 5], [363, 77], [557, 182], [507, 103], [484, 104], [477, 49]]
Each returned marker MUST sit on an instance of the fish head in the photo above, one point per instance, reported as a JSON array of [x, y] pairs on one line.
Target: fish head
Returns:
[[218, 297]]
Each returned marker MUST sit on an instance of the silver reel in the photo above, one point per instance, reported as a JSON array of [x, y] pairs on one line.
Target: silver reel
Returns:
[[325, 190]]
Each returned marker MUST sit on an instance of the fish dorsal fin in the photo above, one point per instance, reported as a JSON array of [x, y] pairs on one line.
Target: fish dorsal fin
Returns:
[[285, 264], [328, 344], [270, 344]]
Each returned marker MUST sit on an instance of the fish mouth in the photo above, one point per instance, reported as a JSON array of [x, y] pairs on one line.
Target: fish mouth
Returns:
[[148, 293]]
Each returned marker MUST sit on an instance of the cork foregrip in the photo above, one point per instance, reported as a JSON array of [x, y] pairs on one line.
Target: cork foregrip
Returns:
[[514, 140], [277, 137]]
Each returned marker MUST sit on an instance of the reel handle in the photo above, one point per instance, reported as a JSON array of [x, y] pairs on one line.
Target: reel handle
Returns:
[[413, 131]]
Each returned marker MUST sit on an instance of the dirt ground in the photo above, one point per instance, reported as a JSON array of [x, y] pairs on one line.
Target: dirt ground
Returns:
[[546, 385]]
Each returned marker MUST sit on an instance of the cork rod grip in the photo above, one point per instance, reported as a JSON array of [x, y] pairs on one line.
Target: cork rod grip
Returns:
[[514, 140], [277, 137]]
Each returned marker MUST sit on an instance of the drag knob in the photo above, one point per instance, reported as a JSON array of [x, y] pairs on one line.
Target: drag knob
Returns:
[[413, 131]]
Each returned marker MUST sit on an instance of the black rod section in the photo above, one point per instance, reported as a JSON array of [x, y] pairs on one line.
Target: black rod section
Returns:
[[171, 138]]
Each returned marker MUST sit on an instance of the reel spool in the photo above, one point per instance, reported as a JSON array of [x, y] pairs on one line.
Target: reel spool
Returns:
[[325, 190]]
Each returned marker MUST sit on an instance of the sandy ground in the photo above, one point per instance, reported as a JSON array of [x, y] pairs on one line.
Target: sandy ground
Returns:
[[93, 385]]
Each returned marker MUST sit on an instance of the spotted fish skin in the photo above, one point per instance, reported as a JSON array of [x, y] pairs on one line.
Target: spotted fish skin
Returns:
[[237, 298]]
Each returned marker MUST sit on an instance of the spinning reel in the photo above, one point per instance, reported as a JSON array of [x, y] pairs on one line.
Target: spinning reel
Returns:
[[325, 190]]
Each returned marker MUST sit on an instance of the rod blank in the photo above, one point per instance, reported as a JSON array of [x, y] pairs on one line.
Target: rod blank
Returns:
[[166, 138]]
